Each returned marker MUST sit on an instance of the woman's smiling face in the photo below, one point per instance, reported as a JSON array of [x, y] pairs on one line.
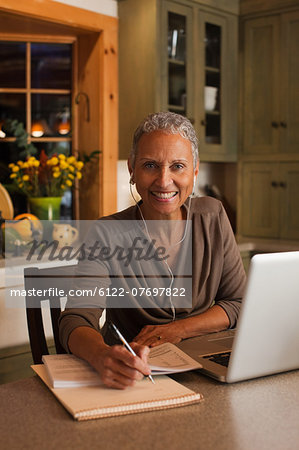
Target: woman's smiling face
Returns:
[[164, 174]]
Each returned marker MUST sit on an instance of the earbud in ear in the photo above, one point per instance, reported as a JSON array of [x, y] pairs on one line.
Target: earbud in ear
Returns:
[[194, 181], [193, 188]]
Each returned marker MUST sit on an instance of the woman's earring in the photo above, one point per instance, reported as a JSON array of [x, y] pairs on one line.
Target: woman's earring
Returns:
[[131, 180]]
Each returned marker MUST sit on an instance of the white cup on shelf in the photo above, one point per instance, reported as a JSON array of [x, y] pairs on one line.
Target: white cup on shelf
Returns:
[[210, 98]]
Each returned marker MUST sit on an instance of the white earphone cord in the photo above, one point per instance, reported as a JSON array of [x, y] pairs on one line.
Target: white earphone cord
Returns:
[[179, 242]]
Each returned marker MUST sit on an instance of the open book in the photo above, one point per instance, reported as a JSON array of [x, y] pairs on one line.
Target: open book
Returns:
[[70, 371], [93, 402]]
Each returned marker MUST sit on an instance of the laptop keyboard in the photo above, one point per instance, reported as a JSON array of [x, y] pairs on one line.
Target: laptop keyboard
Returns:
[[220, 358]]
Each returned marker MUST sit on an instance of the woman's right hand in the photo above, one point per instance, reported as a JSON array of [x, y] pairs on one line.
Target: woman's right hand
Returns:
[[117, 367]]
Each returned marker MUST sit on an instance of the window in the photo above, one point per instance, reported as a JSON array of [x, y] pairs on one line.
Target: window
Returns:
[[35, 90]]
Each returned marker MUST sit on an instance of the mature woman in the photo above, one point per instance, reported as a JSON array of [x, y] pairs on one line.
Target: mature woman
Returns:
[[164, 165]]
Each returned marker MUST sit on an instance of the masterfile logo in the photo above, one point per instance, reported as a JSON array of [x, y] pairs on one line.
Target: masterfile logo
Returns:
[[119, 264]]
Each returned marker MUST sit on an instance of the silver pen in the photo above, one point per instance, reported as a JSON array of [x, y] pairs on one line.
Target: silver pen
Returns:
[[126, 344]]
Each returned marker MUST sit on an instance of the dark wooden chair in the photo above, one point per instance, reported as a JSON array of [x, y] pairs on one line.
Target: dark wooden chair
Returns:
[[34, 278]]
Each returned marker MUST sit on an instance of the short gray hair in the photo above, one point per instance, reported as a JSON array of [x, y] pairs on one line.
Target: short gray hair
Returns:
[[170, 123]]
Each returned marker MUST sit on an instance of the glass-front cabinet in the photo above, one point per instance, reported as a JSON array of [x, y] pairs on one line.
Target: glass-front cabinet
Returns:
[[200, 76], [212, 87], [182, 57], [177, 74], [217, 78], [176, 59]]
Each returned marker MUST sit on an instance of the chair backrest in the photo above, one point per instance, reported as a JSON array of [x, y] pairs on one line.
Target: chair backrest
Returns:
[[56, 279]]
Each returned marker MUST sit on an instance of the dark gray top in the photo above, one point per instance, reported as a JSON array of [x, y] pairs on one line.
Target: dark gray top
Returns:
[[218, 277]]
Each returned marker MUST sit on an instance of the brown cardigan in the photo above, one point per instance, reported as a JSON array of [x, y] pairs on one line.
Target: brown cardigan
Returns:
[[218, 277]]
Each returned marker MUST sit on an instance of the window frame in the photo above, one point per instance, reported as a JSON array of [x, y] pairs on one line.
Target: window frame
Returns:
[[97, 66]]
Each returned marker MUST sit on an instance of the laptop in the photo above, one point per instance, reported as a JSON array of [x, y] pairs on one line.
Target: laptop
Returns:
[[266, 340]]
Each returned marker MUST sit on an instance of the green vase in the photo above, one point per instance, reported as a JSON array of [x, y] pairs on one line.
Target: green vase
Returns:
[[45, 208]]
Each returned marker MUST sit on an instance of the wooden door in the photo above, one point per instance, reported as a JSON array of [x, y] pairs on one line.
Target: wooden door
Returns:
[[260, 200], [289, 118], [289, 200], [261, 86]]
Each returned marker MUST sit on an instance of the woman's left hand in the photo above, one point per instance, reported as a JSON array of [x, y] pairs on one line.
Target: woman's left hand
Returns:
[[153, 335]]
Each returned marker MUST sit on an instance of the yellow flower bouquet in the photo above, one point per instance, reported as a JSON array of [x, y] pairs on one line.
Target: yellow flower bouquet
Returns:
[[46, 176]]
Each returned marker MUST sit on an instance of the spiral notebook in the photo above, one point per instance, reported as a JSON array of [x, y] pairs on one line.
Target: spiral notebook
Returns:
[[71, 371], [94, 402]]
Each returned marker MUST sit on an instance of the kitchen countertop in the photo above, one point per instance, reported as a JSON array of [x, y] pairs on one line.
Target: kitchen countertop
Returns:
[[257, 414], [262, 245]]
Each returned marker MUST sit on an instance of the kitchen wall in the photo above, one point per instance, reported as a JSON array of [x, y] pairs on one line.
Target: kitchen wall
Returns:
[[108, 7]]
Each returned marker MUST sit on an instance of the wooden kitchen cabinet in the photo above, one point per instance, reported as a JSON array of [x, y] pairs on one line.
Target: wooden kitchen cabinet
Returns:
[[289, 200], [269, 157], [270, 200], [170, 53], [271, 86], [217, 67]]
